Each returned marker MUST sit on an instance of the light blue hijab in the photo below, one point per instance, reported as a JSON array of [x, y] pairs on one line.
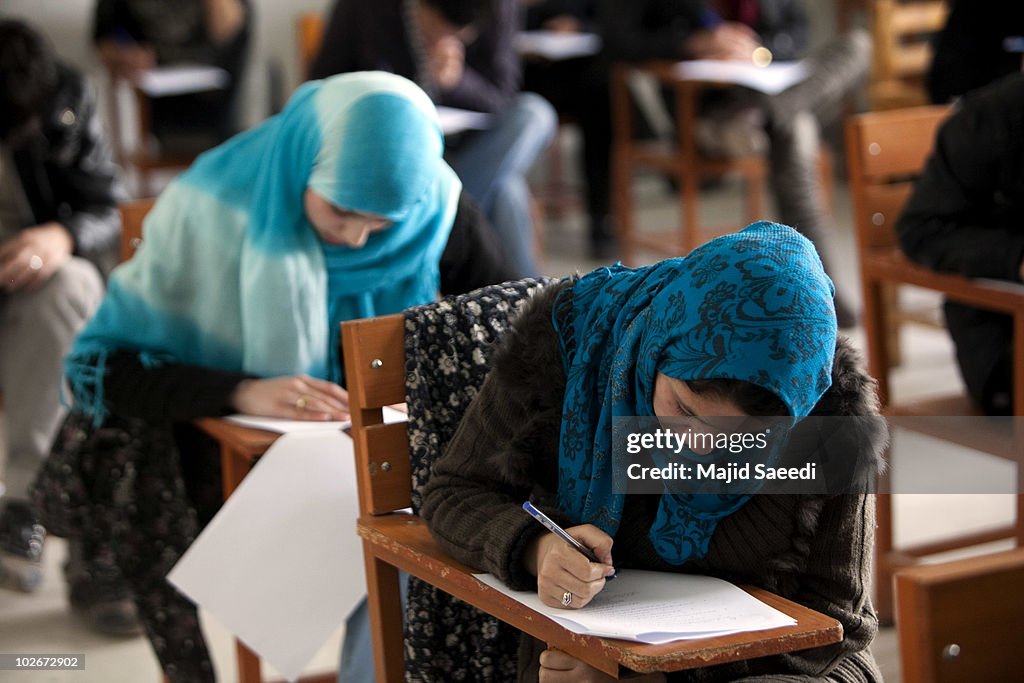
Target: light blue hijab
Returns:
[[753, 306], [231, 274]]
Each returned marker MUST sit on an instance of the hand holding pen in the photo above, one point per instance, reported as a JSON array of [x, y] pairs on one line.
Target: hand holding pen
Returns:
[[571, 565]]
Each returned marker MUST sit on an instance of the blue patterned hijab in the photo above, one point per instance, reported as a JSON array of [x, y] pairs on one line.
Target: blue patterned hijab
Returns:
[[753, 306], [231, 274]]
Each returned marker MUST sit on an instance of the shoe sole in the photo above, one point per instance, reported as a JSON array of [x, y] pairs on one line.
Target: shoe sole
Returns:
[[17, 573]]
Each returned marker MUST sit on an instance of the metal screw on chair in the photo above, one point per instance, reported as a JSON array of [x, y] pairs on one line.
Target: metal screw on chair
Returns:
[[874, 149], [385, 466], [877, 218], [376, 363], [951, 651]]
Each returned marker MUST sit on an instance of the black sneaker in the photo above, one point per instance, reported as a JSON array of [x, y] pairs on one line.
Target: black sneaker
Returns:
[[97, 593], [21, 547]]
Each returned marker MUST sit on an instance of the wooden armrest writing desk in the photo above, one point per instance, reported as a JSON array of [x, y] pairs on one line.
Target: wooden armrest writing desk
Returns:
[[404, 541]]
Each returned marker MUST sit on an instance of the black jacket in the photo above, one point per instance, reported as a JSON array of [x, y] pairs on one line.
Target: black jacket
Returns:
[[966, 216], [68, 173]]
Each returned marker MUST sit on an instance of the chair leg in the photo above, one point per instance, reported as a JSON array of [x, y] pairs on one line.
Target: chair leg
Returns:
[[385, 602], [248, 664]]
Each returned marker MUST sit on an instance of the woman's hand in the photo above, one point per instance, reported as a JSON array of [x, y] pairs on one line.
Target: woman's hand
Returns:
[[559, 568], [558, 667], [33, 255], [296, 398]]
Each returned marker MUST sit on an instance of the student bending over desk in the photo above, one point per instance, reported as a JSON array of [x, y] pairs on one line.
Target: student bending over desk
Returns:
[[744, 325], [340, 207]]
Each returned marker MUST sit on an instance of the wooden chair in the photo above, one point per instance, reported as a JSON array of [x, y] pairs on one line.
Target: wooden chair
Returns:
[[900, 31], [885, 151], [309, 31], [682, 161], [395, 540], [963, 620]]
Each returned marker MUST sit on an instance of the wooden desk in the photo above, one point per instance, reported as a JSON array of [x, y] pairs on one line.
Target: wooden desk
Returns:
[[404, 541]]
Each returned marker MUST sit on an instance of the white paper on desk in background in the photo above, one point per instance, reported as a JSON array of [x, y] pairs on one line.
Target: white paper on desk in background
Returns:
[[771, 79], [557, 45], [455, 120], [659, 607], [281, 565], [279, 424], [163, 81]]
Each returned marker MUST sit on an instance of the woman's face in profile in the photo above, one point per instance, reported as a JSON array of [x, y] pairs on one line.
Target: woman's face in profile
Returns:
[[673, 398], [339, 226]]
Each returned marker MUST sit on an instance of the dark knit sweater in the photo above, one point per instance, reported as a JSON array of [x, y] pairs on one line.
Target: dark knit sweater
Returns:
[[813, 550]]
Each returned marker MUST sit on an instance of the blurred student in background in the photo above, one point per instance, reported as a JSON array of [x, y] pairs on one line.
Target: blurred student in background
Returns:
[[59, 235], [737, 121], [463, 54], [134, 35]]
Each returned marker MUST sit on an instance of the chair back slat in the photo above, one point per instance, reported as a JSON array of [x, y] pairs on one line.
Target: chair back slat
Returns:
[[882, 206], [390, 474], [374, 351], [886, 151], [133, 213], [897, 142]]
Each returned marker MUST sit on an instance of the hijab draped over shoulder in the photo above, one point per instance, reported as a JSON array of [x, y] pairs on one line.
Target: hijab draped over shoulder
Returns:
[[753, 306], [231, 274]]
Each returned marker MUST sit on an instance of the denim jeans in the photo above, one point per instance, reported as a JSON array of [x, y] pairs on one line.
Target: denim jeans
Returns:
[[493, 164], [357, 647]]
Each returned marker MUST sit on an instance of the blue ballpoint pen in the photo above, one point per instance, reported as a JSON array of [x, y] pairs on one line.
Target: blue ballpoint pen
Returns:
[[562, 534]]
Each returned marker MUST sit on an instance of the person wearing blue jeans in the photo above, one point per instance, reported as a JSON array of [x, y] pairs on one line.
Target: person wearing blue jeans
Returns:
[[493, 164], [462, 52], [357, 647]]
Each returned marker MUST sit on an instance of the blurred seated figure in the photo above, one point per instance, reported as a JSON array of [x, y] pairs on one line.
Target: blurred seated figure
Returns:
[[742, 121], [59, 234], [578, 88], [462, 52], [981, 42], [134, 35], [966, 216]]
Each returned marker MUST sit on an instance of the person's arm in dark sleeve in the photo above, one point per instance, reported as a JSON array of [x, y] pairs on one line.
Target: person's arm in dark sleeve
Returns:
[[91, 187], [169, 391], [628, 35], [493, 69], [335, 48], [472, 258], [505, 449], [948, 222]]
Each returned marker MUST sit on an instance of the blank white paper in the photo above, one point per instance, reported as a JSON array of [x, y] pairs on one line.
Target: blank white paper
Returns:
[[281, 564]]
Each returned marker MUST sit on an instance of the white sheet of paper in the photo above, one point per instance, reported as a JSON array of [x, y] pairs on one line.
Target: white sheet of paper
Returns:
[[659, 607], [557, 45], [280, 565], [771, 79], [455, 120], [279, 424], [163, 81]]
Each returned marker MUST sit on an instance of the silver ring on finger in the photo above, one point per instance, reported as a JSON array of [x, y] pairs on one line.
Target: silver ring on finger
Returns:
[[35, 262], [566, 599]]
